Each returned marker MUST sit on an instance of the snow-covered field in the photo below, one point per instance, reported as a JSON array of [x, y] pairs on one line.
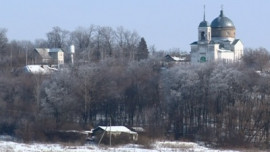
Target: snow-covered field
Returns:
[[166, 146]]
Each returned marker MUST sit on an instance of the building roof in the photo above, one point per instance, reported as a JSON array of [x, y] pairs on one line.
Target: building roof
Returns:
[[39, 69], [204, 24], [194, 43], [222, 21], [138, 129], [225, 51], [181, 58], [176, 58], [168, 58], [235, 41], [116, 129], [55, 50], [43, 52]]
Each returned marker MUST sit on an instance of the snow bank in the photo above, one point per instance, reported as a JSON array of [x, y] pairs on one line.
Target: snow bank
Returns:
[[166, 146]]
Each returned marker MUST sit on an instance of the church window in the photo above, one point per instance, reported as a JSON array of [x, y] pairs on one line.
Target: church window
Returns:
[[203, 59], [202, 36]]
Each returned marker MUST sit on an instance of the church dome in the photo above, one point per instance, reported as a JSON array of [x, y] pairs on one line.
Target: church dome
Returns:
[[222, 21], [204, 24], [222, 28]]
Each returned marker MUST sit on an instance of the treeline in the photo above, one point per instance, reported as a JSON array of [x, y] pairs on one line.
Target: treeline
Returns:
[[92, 44], [224, 104]]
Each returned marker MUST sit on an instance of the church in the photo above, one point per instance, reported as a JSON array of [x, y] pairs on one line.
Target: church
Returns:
[[216, 42]]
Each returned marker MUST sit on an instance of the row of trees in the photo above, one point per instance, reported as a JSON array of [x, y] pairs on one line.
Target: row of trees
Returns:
[[225, 104], [92, 45], [97, 43]]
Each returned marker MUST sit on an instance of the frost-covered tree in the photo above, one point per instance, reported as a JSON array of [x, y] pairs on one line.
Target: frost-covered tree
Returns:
[[57, 38], [257, 59], [57, 101]]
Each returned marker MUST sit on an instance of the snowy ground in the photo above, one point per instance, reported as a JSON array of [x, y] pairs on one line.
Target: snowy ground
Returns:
[[166, 146]]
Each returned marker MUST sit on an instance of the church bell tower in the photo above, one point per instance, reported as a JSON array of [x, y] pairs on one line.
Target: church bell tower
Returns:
[[204, 31]]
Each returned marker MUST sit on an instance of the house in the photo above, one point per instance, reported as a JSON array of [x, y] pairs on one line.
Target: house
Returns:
[[170, 60], [182, 58], [117, 134], [45, 61], [54, 56]]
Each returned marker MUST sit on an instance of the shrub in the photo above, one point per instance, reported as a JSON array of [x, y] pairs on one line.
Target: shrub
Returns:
[[145, 141]]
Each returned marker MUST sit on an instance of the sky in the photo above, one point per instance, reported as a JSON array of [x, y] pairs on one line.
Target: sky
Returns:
[[166, 24]]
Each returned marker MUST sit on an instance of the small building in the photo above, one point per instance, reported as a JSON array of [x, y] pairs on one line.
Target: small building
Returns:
[[169, 60], [54, 56], [118, 135], [182, 58]]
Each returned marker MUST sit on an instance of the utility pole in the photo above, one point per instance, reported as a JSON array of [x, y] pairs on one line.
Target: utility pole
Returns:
[[26, 54], [85, 101], [110, 132], [11, 55]]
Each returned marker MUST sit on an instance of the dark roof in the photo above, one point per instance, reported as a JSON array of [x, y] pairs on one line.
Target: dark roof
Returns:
[[43, 52], [193, 43], [235, 41], [222, 21], [213, 42], [204, 24], [168, 58]]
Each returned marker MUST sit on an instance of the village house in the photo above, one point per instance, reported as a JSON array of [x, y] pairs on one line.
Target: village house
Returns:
[[117, 134], [45, 61], [54, 56], [169, 60]]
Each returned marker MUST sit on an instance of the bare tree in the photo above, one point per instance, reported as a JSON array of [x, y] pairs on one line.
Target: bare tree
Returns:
[[107, 35], [127, 42], [83, 41], [57, 38], [3, 39], [41, 43]]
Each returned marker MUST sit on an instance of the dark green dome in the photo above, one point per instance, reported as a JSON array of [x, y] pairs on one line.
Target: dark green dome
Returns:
[[204, 24], [222, 21]]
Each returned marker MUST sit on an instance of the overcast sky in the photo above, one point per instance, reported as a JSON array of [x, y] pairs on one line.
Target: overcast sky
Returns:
[[163, 23]]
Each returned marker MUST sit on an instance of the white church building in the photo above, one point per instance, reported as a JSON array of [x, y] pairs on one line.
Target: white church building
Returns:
[[216, 42]]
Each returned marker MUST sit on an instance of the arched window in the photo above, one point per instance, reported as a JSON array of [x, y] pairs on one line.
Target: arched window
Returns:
[[203, 59], [202, 36]]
